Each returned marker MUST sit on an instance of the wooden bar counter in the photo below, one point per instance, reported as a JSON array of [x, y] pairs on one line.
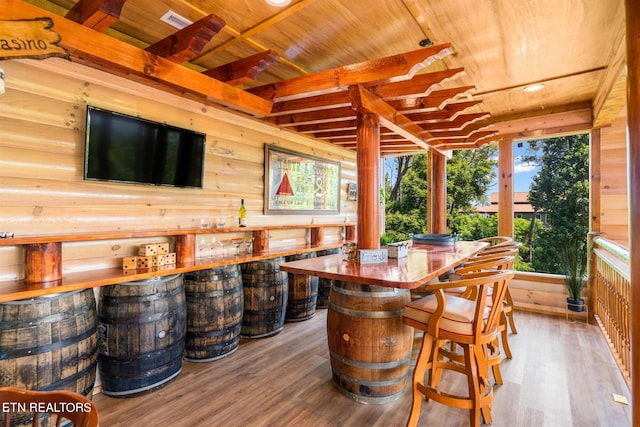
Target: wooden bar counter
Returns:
[[369, 346]]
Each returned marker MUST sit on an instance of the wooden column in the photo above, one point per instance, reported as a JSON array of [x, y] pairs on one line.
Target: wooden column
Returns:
[[43, 262], [505, 188], [594, 185], [185, 248], [633, 132], [437, 203], [368, 158]]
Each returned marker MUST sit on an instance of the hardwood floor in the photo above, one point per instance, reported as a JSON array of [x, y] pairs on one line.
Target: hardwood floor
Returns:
[[562, 374]]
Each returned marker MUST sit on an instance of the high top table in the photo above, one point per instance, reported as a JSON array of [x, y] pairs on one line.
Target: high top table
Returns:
[[369, 346]]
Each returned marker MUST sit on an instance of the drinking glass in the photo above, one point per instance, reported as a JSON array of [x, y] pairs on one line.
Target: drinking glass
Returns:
[[237, 243], [213, 244], [202, 245]]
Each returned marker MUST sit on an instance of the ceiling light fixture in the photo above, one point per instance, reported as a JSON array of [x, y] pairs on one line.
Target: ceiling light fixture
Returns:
[[278, 3], [534, 88]]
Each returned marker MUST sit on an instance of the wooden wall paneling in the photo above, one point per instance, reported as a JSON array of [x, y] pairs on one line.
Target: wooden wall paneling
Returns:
[[41, 165], [614, 191]]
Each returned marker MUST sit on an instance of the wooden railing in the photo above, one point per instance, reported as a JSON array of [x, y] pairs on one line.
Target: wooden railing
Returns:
[[611, 296]]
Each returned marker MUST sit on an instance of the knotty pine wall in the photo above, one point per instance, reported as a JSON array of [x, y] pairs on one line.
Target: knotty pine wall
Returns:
[[613, 185], [42, 130]]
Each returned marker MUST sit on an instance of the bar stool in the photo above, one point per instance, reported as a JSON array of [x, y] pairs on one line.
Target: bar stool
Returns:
[[468, 323], [504, 249], [494, 262], [496, 240]]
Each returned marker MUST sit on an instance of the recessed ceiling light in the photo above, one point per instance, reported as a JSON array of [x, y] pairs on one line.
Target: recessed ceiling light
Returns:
[[534, 88], [278, 3]]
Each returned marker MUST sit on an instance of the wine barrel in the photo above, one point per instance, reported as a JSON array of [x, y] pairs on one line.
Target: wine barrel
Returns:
[[142, 332], [215, 303], [266, 291], [369, 346], [303, 292], [49, 343], [324, 285]]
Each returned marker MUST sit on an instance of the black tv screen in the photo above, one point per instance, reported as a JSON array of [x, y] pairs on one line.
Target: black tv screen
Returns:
[[128, 149]]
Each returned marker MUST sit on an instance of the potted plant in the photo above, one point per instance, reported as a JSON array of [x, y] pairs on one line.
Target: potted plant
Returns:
[[575, 265]]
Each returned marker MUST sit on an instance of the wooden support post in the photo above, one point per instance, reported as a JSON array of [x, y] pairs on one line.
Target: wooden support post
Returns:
[[633, 144], [595, 181], [505, 188], [260, 241], [368, 158], [43, 262], [438, 202], [185, 248], [317, 236]]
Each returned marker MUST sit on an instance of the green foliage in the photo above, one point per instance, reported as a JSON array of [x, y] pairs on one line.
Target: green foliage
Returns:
[[561, 190], [575, 267], [474, 226], [399, 226], [469, 176]]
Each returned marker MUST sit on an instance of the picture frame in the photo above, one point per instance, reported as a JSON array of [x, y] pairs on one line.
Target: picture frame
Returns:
[[298, 183], [352, 191]]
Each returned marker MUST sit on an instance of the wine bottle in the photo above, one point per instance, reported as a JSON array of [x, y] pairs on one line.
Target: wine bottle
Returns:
[[242, 215]]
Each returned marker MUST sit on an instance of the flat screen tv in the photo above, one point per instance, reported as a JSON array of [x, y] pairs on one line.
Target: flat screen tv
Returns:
[[129, 149]]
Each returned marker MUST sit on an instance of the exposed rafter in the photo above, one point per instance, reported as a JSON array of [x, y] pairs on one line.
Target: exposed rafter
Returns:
[[189, 42], [389, 69], [96, 14], [243, 70]]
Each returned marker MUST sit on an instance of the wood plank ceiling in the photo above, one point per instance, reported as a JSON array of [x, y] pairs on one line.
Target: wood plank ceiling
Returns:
[[440, 74]]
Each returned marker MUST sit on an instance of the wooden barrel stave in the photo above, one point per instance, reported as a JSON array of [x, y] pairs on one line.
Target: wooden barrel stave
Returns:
[[215, 304], [142, 332], [49, 343], [369, 346], [303, 292], [265, 298]]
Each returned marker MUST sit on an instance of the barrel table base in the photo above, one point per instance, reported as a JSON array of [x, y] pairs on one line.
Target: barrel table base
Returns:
[[142, 333], [266, 291], [303, 292], [49, 343], [215, 303], [369, 346]]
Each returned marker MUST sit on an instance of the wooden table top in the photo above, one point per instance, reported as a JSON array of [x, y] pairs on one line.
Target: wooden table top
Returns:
[[423, 263]]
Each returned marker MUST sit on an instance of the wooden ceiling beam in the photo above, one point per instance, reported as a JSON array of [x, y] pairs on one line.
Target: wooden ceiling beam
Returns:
[[314, 117], [473, 138], [393, 68], [103, 52], [449, 112], [466, 131], [189, 42], [420, 85], [437, 100], [364, 101], [417, 86], [243, 70], [456, 124], [327, 126], [96, 14]]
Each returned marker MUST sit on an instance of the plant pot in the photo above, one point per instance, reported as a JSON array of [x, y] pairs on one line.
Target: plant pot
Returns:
[[575, 305]]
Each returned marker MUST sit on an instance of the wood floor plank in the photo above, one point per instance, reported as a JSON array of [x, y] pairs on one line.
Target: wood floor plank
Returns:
[[562, 374]]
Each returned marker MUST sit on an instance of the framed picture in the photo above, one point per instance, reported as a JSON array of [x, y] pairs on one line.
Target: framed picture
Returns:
[[352, 191], [297, 183]]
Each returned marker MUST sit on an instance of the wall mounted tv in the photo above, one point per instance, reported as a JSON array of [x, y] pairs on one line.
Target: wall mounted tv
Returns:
[[124, 148]]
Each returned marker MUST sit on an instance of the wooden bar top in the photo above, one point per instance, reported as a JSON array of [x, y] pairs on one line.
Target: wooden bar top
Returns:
[[423, 263]]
